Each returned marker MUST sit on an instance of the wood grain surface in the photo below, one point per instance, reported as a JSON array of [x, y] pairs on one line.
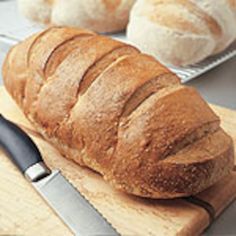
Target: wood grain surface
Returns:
[[23, 212]]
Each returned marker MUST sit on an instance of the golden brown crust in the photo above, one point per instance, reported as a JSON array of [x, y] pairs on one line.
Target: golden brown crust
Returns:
[[16, 84], [105, 100], [146, 90], [104, 63], [173, 117], [61, 52], [45, 44], [105, 105], [88, 51]]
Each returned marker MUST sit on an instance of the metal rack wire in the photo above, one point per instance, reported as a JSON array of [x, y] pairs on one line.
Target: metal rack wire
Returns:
[[191, 72]]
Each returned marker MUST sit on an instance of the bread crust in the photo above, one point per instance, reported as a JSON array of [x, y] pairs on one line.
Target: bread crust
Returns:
[[106, 106]]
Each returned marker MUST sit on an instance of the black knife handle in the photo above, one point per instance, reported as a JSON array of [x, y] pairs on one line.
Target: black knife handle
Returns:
[[18, 145]]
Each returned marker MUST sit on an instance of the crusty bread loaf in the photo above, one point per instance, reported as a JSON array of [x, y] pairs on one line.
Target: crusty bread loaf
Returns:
[[182, 32], [121, 113], [98, 15]]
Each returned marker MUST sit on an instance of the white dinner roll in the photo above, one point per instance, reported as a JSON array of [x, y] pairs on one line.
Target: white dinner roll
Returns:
[[182, 32], [98, 15]]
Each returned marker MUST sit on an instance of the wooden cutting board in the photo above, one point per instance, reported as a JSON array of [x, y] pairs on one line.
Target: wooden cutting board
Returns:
[[23, 212]]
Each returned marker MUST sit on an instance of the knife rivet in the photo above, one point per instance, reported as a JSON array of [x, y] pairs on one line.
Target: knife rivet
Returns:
[[37, 172]]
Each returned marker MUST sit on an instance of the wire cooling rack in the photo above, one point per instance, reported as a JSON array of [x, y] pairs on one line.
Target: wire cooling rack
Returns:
[[191, 72]]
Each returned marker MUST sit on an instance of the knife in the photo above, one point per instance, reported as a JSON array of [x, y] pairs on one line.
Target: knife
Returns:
[[74, 210]]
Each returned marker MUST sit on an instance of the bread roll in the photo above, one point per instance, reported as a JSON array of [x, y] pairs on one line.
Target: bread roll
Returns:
[[97, 15], [182, 32], [106, 106]]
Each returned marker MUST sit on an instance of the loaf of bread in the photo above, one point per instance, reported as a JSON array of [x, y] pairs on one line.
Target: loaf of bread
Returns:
[[98, 15], [106, 106], [182, 32]]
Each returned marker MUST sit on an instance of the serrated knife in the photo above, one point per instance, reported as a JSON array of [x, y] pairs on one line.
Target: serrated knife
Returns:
[[74, 210]]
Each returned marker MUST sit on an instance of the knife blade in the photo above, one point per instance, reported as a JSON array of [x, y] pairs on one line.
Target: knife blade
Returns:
[[68, 203]]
